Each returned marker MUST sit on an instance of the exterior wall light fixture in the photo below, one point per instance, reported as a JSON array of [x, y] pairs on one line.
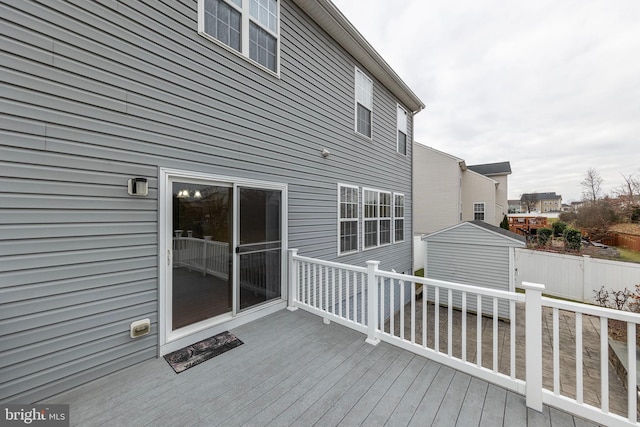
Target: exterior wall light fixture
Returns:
[[138, 187]]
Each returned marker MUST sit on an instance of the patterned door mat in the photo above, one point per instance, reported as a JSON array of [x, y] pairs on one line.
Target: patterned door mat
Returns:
[[185, 358]]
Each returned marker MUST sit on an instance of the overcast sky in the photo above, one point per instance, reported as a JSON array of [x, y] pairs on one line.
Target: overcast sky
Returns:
[[551, 86]]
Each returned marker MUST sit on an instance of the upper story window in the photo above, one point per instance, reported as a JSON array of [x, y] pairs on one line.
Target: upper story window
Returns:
[[478, 211], [364, 103], [347, 219], [402, 130], [249, 27]]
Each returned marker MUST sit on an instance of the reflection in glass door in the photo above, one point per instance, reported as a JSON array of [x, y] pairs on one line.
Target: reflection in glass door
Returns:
[[202, 242], [259, 246]]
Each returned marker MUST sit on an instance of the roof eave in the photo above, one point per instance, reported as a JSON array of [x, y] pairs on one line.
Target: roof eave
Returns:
[[327, 15]]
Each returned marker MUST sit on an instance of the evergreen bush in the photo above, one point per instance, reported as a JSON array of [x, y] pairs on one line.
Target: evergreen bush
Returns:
[[572, 239], [544, 236], [558, 228], [505, 223]]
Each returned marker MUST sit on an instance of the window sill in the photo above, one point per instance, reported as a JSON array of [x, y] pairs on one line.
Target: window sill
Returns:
[[376, 247], [363, 136], [241, 55]]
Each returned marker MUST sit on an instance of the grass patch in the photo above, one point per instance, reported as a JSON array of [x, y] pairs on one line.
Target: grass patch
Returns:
[[629, 255]]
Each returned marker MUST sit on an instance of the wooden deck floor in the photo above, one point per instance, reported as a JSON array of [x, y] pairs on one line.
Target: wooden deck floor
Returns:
[[295, 370]]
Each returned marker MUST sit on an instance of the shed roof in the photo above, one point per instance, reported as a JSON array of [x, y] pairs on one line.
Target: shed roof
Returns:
[[510, 238], [488, 169]]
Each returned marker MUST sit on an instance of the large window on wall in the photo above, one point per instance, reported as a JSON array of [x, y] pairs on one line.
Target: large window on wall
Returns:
[[377, 218], [402, 130], [348, 219], [248, 27], [478, 211], [364, 103], [398, 217]]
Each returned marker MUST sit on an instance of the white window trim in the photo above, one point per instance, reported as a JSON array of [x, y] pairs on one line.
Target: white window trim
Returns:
[[378, 218], [341, 220], [403, 218], [484, 210], [355, 103], [244, 46], [402, 126]]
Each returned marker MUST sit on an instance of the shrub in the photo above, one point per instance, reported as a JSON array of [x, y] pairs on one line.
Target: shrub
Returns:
[[505, 223], [544, 236], [602, 297], [634, 305], [572, 239], [558, 228]]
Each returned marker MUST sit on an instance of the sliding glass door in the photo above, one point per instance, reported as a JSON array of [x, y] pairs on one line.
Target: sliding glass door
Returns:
[[225, 250], [202, 252], [259, 246]]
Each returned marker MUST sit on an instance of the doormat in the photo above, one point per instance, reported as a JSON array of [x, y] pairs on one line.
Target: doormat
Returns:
[[185, 358]]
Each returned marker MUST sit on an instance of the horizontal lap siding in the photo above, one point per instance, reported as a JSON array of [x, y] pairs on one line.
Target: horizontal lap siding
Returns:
[[78, 263], [94, 93], [476, 265]]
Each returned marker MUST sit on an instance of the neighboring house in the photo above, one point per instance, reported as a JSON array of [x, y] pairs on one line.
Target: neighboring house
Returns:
[[576, 205], [515, 206], [499, 172], [159, 159], [541, 202], [447, 191]]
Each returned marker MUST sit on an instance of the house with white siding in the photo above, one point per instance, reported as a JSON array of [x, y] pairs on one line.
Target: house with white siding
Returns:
[[157, 161], [447, 191]]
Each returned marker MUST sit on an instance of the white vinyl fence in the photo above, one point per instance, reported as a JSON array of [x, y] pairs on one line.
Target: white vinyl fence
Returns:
[[418, 253], [574, 277]]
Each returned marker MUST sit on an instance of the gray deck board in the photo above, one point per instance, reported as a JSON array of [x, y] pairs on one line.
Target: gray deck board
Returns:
[[452, 403], [472, 404], [295, 370], [494, 404], [515, 412], [432, 399]]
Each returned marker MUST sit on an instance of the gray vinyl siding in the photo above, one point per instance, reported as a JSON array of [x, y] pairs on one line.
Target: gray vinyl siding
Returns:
[[473, 256], [95, 93]]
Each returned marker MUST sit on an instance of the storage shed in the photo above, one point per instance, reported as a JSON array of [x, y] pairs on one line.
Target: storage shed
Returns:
[[473, 253]]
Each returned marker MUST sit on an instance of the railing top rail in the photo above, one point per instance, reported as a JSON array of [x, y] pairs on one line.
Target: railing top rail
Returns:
[[593, 310], [330, 264], [198, 239], [497, 293]]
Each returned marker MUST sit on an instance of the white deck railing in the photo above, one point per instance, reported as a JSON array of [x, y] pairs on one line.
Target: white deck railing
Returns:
[[385, 306], [207, 256], [257, 271]]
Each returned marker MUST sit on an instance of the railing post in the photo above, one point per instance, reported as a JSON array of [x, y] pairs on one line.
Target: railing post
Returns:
[[372, 303], [533, 344], [292, 268]]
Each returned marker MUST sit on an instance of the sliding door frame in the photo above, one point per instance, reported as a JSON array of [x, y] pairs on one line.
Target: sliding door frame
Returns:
[[170, 340]]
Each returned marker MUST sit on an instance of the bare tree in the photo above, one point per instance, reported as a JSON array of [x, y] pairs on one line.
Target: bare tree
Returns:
[[591, 185], [529, 200], [629, 197], [630, 188]]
